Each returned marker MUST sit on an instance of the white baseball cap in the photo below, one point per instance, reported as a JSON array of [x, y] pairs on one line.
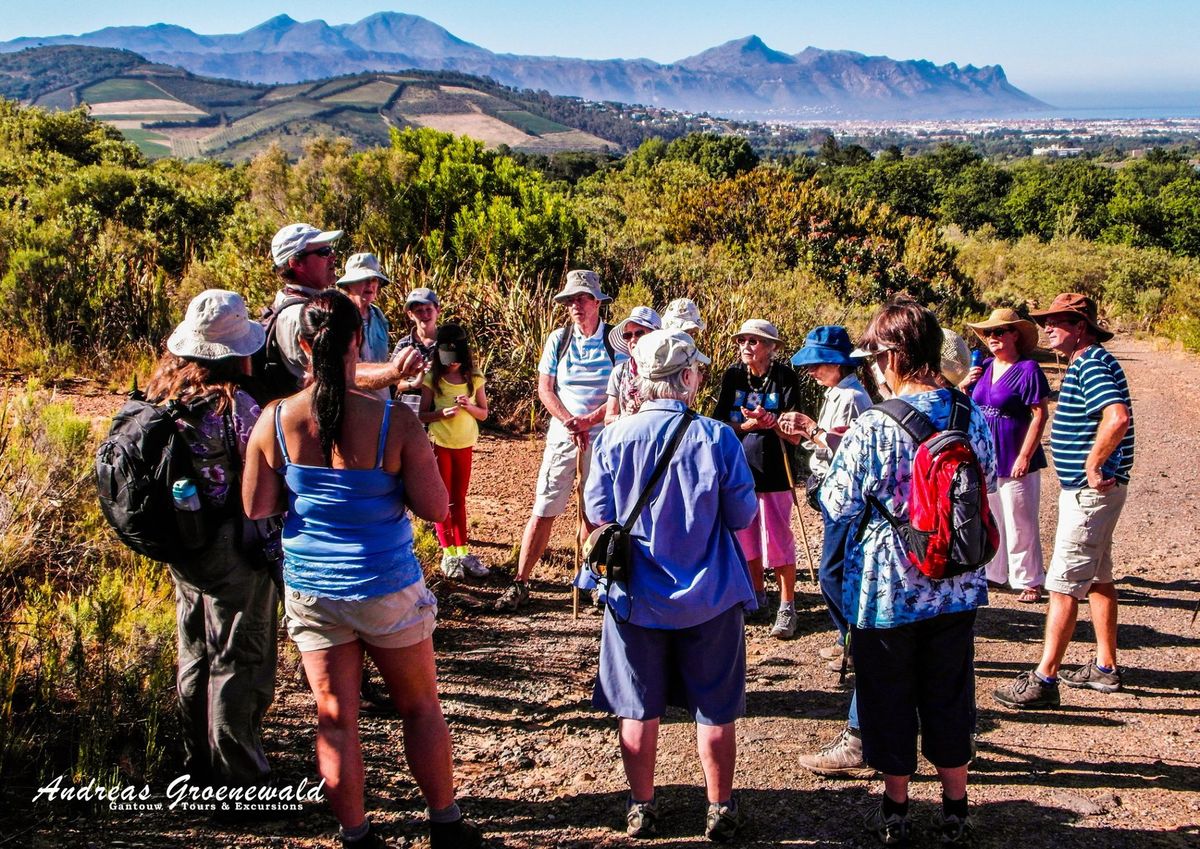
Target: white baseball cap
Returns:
[[294, 238], [662, 353]]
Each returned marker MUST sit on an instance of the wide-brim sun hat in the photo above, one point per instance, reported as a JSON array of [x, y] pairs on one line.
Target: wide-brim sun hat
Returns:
[[662, 353], [683, 314], [291, 240], [216, 325], [1027, 332], [582, 282], [828, 344], [759, 327], [361, 267], [644, 316], [956, 357], [1078, 307]]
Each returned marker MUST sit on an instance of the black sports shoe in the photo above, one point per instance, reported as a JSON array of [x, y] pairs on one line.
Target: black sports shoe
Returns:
[[723, 822], [891, 829], [460, 834], [1092, 677], [641, 818], [1028, 692], [954, 830]]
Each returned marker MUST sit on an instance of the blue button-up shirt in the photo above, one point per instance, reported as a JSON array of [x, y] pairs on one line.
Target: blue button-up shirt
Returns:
[[687, 567]]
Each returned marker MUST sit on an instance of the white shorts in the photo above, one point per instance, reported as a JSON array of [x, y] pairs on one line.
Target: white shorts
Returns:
[[393, 621], [556, 478]]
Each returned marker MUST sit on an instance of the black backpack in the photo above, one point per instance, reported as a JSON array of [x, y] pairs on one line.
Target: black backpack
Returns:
[[144, 453], [272, 377]]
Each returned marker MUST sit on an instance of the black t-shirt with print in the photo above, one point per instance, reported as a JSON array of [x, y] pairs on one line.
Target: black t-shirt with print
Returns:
[[779, 392]]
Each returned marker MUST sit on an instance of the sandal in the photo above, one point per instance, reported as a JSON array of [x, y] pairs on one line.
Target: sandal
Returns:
[[1030, 595]]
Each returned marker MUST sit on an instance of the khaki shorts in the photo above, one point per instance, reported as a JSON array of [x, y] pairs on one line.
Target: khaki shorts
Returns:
[[393, 621], [1083, 544], [556, 478]]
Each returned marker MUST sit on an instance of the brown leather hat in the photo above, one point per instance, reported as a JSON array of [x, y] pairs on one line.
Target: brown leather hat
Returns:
[[1077, 306]]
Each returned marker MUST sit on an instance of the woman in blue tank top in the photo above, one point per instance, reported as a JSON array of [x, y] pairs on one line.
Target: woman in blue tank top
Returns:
[[346, 467]]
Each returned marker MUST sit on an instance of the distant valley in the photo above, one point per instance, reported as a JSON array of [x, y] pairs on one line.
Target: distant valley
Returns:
[[743, 78]]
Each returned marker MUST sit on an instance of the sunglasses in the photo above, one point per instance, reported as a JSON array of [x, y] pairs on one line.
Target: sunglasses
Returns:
[[633, 334], [752, 341], [996, 331], [324, 250]]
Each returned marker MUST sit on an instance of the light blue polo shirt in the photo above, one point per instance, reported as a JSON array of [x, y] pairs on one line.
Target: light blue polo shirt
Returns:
[[582, 372]]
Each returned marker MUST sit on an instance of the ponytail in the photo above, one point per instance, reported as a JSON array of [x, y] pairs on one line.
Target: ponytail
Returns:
[[329, 323]]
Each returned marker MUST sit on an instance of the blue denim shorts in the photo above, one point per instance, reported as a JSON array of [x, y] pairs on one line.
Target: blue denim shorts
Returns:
[[701, 669]]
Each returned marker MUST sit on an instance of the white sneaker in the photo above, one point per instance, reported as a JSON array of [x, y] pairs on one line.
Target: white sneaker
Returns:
[[452, 566], [474, 566]]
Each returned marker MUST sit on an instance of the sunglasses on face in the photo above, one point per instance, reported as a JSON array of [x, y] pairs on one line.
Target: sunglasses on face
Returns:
[[1061, 322], [629, 335], [996, 331], [324, 250], [752, 341]]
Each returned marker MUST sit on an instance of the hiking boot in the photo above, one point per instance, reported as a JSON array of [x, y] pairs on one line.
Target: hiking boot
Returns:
[[1093, 677], [833, 652], [835, 665], [641, 818], [841, 758], [891, 829], [460, 834], [474, 566], [785, 624], [954, 830], [370, 840], [374, 699], [452, 566], [1028, 692], [723, 822], [513, 598]]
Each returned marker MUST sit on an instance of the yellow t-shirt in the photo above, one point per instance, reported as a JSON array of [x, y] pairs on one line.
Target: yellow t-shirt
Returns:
[[460, 430]]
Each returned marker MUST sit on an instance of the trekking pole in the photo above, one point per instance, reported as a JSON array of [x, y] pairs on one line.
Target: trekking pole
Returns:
[[787, 467], [578, 532]]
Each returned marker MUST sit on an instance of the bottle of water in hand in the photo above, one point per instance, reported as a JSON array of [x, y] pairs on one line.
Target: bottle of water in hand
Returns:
[[188, 515]]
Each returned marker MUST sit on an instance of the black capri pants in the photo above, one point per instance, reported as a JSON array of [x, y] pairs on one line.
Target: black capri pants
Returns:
[[918, 677]]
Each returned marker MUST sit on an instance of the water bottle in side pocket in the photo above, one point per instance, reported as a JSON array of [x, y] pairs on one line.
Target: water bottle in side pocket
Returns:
[[189, 516]]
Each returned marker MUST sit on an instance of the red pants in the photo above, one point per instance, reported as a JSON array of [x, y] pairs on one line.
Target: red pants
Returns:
[[455, 466]]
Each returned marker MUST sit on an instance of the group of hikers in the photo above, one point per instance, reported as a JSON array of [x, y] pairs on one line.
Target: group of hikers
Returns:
[[366, 433]]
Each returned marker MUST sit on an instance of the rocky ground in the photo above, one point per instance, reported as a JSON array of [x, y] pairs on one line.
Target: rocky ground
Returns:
[[538, 767]]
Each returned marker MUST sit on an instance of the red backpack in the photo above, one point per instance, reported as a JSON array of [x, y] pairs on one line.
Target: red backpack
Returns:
[[950, 529]]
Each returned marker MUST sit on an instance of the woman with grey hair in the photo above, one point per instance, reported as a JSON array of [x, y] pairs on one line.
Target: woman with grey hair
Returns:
[[674, 633]]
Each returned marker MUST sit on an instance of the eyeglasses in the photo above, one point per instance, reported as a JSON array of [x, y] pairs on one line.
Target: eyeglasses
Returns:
[[633, 334], [996, 331], [324, 250], [752, 341], [1061, 321]]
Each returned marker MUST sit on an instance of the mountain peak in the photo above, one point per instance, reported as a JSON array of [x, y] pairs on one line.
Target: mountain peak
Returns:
[[741, 53]]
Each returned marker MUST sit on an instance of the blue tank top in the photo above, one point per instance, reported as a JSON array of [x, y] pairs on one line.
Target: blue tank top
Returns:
[[347, 534]]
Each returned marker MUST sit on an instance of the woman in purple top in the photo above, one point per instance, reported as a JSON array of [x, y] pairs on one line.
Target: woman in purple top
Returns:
[[1012, 391]]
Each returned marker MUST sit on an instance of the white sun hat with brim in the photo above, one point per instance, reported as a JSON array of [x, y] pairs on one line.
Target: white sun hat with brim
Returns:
[[644, 316], [683, 314], [216, 325], [291, 241], [662, 353], [582, 282], [360, 267], [759, 327]]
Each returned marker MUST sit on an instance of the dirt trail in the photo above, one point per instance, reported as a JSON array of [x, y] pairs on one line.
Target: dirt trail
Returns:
[[538, 767]]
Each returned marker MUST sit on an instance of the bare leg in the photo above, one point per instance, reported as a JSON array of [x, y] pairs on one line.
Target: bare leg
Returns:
[[533, 545], [639, 753], [717, 745], [786, 575], [1060, 626], [411, 679], [895, 787], [756, 574], [1102, 601], [334, 675], [954, 781]]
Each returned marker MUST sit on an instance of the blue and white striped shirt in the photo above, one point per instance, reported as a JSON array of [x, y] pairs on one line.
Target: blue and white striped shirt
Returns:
[[1093, 381]]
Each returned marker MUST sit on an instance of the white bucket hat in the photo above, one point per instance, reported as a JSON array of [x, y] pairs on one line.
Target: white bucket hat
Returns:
[[582, 282], [294, 238], [216, 326], [644, 316], [683, 314], [662, 353], [361, 267], [759, 327]]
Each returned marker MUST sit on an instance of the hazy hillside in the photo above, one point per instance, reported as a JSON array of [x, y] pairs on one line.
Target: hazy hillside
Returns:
[[743, 77]]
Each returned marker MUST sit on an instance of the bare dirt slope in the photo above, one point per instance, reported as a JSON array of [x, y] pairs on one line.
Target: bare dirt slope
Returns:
[[538, 767]]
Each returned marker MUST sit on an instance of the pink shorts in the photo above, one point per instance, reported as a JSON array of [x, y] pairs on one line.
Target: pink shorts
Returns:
[[771, 530]]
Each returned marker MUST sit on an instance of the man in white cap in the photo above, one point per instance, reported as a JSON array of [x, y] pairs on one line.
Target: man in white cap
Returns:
[[572, 381]]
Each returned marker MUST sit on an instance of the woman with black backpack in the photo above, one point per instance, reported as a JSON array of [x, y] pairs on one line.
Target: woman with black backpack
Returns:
[[225, 599]]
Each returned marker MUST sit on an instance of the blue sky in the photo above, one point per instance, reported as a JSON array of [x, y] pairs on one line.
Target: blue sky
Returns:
[[1069, 53]]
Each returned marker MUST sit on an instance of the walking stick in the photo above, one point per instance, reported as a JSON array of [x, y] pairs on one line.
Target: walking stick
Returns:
[[787, 467], [578, 532]]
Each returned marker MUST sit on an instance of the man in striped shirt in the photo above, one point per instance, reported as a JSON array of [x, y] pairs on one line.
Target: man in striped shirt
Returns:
[[1092, 443]]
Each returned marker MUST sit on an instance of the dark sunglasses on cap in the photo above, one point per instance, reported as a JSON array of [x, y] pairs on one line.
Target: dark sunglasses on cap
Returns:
[[324, 250]]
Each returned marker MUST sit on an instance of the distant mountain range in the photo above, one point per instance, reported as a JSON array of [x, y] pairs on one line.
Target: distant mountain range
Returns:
[[742, 78]]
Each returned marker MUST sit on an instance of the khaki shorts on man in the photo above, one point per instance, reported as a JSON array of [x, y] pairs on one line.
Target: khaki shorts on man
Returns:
[[1083, 544]]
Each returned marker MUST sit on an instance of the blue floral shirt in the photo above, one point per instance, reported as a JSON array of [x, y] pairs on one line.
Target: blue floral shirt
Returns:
[[880, 587]]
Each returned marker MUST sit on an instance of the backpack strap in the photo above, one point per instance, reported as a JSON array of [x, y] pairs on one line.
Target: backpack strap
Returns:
[[960, 412], [608, 345], [911, 420], [659, 469]]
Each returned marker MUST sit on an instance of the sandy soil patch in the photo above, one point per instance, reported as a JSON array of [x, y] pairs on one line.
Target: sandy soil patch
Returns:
[[490, 130], [160, 106]]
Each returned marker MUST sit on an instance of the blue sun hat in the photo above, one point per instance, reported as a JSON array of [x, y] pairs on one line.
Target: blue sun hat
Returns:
[[828, 344]]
